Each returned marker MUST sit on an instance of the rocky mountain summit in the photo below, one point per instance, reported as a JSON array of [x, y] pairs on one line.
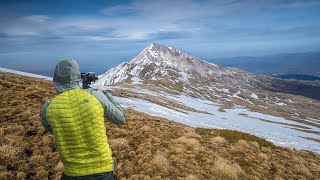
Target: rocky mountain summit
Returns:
[[157, 62]]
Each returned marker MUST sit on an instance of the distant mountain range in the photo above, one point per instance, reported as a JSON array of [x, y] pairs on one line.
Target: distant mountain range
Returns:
[[298, 76], [280, 64]]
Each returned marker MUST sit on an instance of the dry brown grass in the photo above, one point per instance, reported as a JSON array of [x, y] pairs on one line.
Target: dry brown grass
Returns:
[[160, 163], [226, 170], [119, 143], [8, 151], [218, 140], [145, 147]]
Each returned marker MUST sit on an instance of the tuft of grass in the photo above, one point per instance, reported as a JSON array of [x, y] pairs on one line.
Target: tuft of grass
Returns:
[[218, 140], [119, 143], [57, 169], [7, 175], [21, 175], [233, 136], [160, 163], [42, 173], [225, 170], [191, 177], [189, 142], [145, 128], [38, 160], [9, 153]]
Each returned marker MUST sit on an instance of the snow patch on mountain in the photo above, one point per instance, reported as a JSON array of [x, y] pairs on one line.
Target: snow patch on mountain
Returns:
[[253, 95], [114, 75], [136, 80], [280, 104], [236, 95], [184, 76]]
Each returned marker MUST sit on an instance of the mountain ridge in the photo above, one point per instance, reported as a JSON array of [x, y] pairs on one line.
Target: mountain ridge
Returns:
[[277, 64], [298, 77], [158, 62]]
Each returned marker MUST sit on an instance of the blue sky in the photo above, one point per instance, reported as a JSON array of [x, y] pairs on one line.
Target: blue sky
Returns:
[[99, 34]]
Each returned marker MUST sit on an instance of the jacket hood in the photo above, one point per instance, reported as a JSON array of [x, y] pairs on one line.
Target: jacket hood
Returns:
[[66, 75]]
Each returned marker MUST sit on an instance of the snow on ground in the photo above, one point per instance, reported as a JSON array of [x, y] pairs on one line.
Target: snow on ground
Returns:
[[225, 90], [317, 121], [25, 73], [253, 95], [136, 80], [231, 119], [280, 104], [184, 76], [236, 95]]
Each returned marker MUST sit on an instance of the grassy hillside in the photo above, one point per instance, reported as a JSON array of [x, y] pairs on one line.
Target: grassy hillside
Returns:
[[144, 147]]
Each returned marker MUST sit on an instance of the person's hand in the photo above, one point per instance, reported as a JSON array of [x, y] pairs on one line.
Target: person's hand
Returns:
[[100, 88], [106, 92]]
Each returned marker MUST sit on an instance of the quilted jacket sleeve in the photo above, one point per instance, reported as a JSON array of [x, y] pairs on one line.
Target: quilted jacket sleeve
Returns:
[[112, 109], [43, 118]]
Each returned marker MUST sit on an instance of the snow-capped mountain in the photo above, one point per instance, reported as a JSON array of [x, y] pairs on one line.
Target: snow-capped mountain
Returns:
[[157, 61], [171, 68], [165, 69], [169, 83], [160, 62]]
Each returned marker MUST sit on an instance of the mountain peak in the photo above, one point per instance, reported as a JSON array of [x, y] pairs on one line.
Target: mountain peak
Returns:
[[160, 55], [159, 61], [156, 45], [162, 48]]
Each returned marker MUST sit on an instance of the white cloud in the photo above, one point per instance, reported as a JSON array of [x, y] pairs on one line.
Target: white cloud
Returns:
[[145, 18], [169, 10], [301, 4], [36, 18], [118, 9], [186, 22]]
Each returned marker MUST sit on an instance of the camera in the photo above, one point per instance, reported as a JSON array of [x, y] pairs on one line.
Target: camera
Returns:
[[88, 78]]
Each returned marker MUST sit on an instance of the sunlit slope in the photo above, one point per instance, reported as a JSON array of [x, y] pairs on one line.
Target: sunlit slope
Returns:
[[144, 147]]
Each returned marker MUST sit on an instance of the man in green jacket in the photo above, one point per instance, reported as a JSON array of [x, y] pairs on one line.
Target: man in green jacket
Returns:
[[76, 118]]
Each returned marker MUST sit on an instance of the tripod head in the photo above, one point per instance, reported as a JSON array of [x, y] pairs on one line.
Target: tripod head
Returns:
[[87, 79]]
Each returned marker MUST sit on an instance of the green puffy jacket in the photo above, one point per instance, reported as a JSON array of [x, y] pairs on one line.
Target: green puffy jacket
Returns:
[[76, 117]]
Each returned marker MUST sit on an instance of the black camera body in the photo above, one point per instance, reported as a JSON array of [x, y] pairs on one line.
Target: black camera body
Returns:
[[88, 78]]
